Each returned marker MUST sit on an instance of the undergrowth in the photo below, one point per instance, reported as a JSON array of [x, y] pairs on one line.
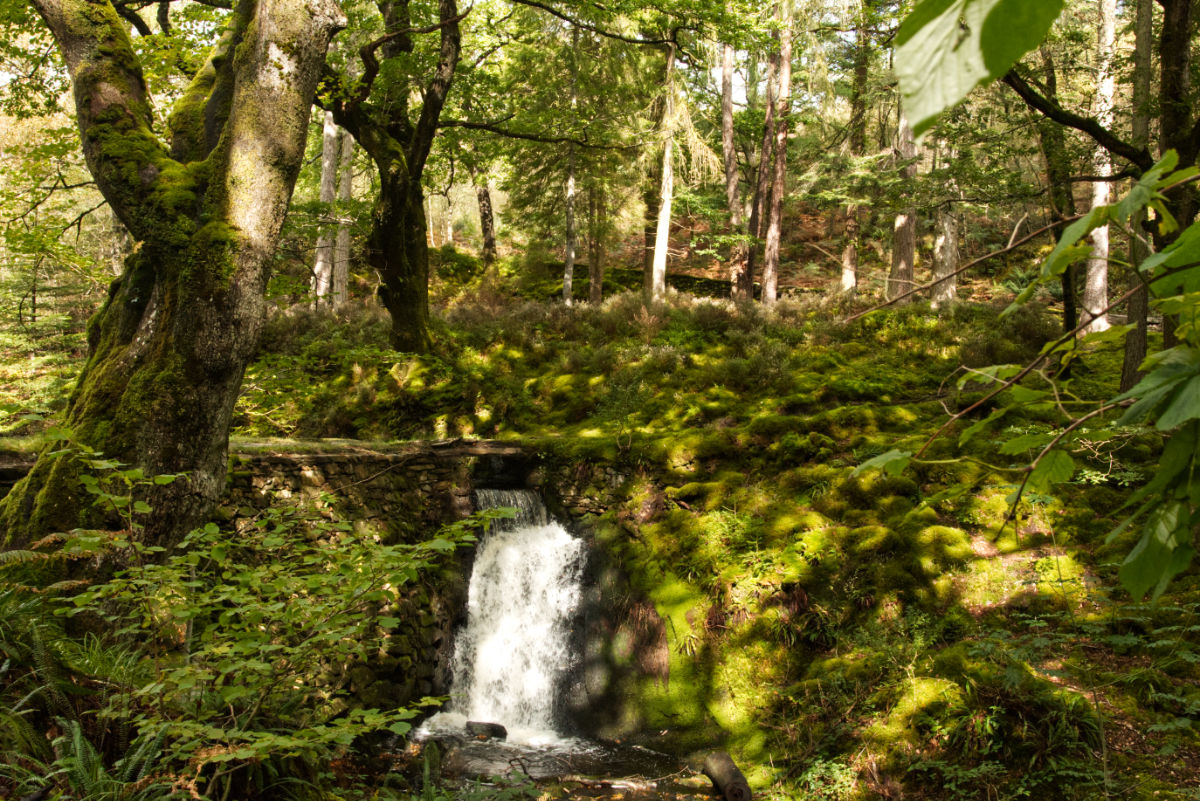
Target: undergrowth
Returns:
[[849, 636]]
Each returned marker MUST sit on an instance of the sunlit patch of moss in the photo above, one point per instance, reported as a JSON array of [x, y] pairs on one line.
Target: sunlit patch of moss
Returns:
[[1061, 579], [913, 702]]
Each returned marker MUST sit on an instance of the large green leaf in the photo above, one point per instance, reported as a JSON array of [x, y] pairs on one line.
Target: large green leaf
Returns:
[[945, 48], [1055, 467], [1164, 551]]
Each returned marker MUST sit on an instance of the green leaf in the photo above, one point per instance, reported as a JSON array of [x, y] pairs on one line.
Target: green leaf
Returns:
[[142, 508], [1055, 467], [1185, 406], [1025, 443], [389, 622], [1164, 551], [945, 48], [400, 727], [893, 463]]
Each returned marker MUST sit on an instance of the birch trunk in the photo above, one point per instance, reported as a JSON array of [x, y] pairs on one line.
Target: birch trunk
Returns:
[[1095, 289], [339, 290], [945, 259], [904, 232], [322, 277], [657, 287]]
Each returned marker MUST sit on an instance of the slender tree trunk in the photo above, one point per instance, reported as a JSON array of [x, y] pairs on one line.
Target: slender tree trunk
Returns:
[[904, 233], [1138, 307], [762, 178], [339, 291], [657, 288], [322, 277], [1095, 289], [170, 345], [770, 281], [572, 235], [487, 217], [1058, 172], [733, 202], [651, 197], [945, 258], [858, 145], [598, 220]]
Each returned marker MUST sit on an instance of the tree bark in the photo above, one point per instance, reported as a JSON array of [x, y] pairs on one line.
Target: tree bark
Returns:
[[1138, 306], [572, 234], [322, 277], [762, 179], [770, 280], [598, 223], [339, 290], [1095, 288], [858, 145], [656, 289], [945, 258], [170, 345], [733, 201], [397, 246], [904, 233], [487, 217], [727, 779], [1058, 173]]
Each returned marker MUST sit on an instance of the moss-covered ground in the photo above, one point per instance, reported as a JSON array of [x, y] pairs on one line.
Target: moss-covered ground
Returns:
[[845, 637]]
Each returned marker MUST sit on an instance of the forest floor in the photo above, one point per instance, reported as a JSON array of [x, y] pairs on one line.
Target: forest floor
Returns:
[[867, 636]]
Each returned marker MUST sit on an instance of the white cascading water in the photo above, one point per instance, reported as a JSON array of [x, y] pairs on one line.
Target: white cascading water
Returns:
[[510, 658]]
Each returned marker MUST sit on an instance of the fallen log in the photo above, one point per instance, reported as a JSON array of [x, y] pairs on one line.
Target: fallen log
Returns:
[[726, 778]]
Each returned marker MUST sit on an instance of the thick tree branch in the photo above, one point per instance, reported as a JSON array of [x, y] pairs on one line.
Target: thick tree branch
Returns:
[[439, 86], [371, 61], [112, 107], [1139, 157]]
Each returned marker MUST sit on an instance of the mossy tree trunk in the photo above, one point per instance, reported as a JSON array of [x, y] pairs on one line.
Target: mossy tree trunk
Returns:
[[397, 248], [169, 346]]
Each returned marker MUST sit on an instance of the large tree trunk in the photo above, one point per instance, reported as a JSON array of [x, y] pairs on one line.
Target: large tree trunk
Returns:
[[398, 251], [1095, 287], [733, 201], [322, 277], [904, 232], [169, 347], [397, 247], [770, 280], [1138, 306], [339, 290]]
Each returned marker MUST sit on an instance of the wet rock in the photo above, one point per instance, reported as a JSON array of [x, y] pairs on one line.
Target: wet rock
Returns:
[[489, 731]]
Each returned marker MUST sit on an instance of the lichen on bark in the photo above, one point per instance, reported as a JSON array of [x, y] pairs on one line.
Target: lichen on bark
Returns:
[[169, 346]]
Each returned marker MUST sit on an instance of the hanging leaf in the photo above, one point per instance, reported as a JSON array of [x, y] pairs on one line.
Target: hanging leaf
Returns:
[[1055, 467], [945, 48], [1163, 552]]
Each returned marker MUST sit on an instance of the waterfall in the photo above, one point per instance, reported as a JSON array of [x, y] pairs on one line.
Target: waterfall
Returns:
[[514, 652]]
